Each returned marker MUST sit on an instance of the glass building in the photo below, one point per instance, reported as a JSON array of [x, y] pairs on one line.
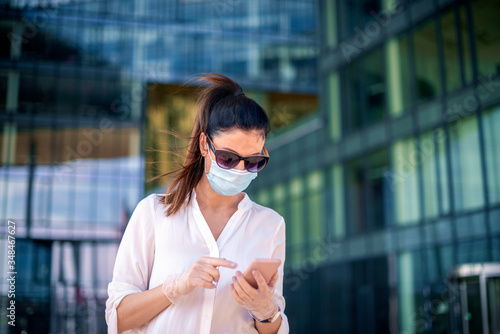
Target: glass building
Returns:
[[85, 86], [391, 193]]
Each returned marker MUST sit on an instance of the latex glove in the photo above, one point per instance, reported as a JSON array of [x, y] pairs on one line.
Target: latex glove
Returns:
[[202, 273], [259, 301]]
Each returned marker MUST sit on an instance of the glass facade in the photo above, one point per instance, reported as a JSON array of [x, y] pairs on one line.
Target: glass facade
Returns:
[[85, 90], [406, 147]]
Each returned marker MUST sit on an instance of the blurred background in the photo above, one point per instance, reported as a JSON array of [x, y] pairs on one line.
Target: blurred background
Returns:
[[385, 150]]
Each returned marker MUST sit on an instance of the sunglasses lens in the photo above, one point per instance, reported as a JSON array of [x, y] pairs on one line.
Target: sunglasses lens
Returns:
[[255, 164], [227, 160]]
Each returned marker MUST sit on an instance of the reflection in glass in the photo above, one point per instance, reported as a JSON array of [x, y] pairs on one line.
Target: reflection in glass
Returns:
[[493, 288], [296, 220], [466, 43], [61, 203], [466, 166], [379, 197], [338, 201], [487, 34], [334, 105], [398, 79], [472, 252], [426, 62], [315, 184], [409, 293], [330, 22], [403, 181], [368, 193], [355, 179], [354, 94], [279, 198], [14, 191], [491, 124], [451, 63], [357, 14], [434, 175], [365, 90], [374, 86]]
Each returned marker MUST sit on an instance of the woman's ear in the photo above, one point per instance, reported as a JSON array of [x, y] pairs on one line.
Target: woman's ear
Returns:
[[203, 144]]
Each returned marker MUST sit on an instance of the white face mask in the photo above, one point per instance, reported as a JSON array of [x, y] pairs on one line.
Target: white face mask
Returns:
[[228, 182]]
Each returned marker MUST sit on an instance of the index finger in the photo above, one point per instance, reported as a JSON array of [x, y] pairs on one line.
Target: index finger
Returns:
[[216, 262]]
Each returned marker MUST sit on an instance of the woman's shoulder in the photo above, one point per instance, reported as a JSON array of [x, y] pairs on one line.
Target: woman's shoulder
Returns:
[[152, 203], [268, 214]]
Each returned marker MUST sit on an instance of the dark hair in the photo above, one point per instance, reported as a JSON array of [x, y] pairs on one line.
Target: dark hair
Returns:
[[222, 105]]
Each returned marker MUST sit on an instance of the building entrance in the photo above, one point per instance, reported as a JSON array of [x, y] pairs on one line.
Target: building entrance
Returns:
[[477, 309]]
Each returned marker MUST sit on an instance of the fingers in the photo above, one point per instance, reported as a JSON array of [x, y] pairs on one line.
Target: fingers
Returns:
[[261, 282], [248, 289], [273, 280], [206, 268], [203, 283], [236, 296], [242, 294], [204, 271], [216, 262]]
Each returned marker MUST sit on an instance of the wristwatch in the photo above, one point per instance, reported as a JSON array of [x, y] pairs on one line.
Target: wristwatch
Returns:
[[273, 318]]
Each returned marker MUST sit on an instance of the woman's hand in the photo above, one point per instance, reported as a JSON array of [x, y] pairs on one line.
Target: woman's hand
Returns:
[[259, 301], [202, 273]]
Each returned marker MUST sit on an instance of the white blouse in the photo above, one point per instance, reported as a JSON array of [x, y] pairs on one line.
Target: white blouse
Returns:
[[154, 246]]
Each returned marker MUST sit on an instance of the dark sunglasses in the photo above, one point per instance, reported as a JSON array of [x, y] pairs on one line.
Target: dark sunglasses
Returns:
[[228, 160]]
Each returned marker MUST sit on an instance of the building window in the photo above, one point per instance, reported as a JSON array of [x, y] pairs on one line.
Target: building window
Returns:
[[466, 165], [338, 201], [334, 106], [410, 297], [368, 194], [356, 14], [365, 90], [355, 196], [491, 124], [456, 49], [486, 34], [315, 184], [428, 84], [398, 78], [296, 220], [403, 181], [434, 176], [330, 22]]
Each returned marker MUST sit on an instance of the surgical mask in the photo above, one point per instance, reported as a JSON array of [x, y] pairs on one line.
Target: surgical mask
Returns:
[[228, 182]]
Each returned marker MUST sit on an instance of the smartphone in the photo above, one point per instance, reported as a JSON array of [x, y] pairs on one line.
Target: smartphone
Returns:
[[267, 268]]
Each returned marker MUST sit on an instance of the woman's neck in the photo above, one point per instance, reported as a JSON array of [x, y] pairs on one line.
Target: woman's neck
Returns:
[[210, 199]]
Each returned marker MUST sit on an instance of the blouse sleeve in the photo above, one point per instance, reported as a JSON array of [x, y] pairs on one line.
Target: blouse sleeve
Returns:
[[134, 261], [279, 252]]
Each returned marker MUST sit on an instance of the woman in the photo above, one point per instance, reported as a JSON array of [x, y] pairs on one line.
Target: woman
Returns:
[[175, 269]]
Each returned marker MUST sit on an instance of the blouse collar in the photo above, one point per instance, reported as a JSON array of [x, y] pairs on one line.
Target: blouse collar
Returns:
[[245, 204]]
